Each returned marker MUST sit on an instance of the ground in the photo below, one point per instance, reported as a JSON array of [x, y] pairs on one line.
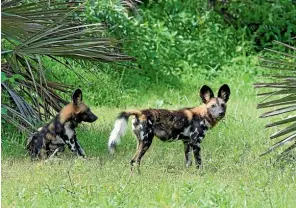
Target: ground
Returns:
[[233, 175]]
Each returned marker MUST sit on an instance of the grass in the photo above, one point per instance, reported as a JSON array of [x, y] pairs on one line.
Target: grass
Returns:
[[233, 174]]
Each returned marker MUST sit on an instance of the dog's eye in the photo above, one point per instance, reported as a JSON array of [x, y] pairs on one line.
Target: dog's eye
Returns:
[[222, 105], [213, 106]]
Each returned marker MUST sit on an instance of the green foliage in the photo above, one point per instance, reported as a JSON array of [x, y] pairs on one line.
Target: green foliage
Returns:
[[264, 21], [172, 40]]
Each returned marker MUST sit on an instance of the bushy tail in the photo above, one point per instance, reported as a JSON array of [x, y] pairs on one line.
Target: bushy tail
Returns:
[[119, 129]]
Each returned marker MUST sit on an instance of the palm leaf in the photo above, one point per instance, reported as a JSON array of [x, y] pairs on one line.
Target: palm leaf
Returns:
[[290, 99], [283, 121], [130, 4], [32, 31], [278, 111], [280, 143], [284, 80]]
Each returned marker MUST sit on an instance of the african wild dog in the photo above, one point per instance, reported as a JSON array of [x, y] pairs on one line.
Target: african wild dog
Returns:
[[52, 137], [187, 124]]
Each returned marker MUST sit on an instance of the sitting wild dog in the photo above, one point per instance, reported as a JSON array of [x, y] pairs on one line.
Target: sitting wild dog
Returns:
[[187, 124], [61, 130]]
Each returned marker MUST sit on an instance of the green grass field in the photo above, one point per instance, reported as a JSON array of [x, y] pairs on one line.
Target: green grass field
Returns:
[[233, 174]]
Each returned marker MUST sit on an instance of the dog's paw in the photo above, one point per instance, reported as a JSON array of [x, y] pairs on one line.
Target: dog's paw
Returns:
[[188, 164]]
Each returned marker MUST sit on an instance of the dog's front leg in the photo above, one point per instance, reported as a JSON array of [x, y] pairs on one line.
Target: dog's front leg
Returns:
[[70, 143], [78, 147], [74, 145], [187, 154], [196, 152], [196, 136]]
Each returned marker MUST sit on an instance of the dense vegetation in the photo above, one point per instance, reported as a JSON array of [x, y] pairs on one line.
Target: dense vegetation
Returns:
[[178, 46]]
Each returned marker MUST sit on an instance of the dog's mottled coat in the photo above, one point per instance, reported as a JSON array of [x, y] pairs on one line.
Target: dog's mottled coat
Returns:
[[187, 124], [52, 137]]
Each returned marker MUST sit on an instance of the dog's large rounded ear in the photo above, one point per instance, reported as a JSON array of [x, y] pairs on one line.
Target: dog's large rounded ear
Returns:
[[224, 92], [206, 93], [77, 97]]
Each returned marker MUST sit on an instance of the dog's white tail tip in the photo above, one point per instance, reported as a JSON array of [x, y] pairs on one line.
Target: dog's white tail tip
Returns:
[[111, 147], [119, 130]]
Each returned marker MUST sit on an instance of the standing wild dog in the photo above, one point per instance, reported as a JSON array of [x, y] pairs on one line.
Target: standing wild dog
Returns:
[[187, 124], [52, 137]]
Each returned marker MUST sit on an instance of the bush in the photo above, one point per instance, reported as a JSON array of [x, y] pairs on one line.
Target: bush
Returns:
[[264, 21], [171, 40]]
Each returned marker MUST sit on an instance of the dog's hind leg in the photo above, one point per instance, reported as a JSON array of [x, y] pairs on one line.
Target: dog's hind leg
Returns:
[[136, 130], [54, 153], [143, 147], [144, 135], [133, 160]]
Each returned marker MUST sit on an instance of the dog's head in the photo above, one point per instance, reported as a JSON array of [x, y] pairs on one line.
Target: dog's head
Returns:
[[81, 111], [216, 106]]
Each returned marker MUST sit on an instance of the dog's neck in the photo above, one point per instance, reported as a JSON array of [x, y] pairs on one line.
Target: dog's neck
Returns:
[[210, 121], [202, 112], [73, 121]]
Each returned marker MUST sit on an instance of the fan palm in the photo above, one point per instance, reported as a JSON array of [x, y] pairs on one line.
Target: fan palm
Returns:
[[131, 4], [32, 31], [282, 96]]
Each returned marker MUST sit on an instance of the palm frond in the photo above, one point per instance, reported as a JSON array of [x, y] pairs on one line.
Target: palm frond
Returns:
[[32, 31], [130, 4], [284, 83], [55, 32]]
